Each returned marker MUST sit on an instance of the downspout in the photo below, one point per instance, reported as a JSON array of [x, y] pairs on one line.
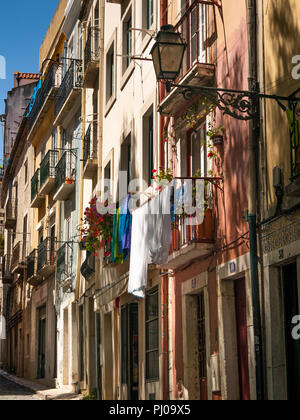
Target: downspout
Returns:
[[253, 201], [164, 277]]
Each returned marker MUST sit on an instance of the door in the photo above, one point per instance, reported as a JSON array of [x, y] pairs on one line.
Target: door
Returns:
[[130, 354], [202, 347], [242, 339], [291, 309], [42, 343]]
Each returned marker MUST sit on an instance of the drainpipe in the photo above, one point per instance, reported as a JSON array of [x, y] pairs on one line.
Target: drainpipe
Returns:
[[164, 278], [253, 201]]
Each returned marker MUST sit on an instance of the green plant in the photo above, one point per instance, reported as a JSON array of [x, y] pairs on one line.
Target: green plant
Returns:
[[92, 396], [162, 175]]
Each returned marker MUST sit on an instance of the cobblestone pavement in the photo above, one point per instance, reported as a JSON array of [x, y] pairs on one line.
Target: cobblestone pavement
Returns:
[[12, 392]]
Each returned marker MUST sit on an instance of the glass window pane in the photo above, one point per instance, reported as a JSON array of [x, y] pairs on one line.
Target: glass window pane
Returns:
[[152, 335], [152, 365]]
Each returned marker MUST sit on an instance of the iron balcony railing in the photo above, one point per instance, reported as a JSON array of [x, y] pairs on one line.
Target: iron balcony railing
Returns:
[[64, 262], [6, 267], [32, 264], [187, 228], [11, 210], [47, 168], [91, 51], [19, 254], [42, 94], [1, 172], [46, 253], [35, 183], [89, 266], [65, 170], [87, 145], [71, 80]]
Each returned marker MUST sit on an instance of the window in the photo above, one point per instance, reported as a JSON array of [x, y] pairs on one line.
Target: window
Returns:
[[197, 152], [152, 335], [110, 73], [148, 14], [107, 179], [148, 131], [26, 172], [126, 159], [127, 40]]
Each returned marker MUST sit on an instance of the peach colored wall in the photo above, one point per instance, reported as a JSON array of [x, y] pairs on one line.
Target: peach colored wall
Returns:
[[232, 163]]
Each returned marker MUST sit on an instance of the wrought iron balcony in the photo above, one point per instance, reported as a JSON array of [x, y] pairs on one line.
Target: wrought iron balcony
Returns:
[[19, 257], [36, 197], [91, 57], [64, 261], [88, 267], [44, 97], [11, 213], [69, 90], [46, 257], [32, 277], [6, 269], [197, 67], [65, 175], [47, 172], [191, 237], [90, 163]]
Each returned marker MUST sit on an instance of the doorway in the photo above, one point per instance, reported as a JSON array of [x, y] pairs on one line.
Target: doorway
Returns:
[[291, 309], [41, 343], [242, 339], [130, 351], [202, 362]]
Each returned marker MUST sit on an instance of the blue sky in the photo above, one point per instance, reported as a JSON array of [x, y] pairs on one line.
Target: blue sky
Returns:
[[23, 25]]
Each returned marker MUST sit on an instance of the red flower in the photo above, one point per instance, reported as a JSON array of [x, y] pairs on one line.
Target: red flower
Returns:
[[210, 154], [154, 171]]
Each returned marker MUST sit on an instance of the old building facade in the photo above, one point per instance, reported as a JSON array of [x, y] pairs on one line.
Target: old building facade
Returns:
[[213, 318]]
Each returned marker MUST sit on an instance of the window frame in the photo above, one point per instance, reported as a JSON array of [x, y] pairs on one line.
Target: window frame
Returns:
[[148, 321]]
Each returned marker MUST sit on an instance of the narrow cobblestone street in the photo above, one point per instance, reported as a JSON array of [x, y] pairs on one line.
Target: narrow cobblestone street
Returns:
[[10, 391]]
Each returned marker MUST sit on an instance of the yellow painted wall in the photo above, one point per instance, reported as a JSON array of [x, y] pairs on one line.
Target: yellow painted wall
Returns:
[[281, 43]]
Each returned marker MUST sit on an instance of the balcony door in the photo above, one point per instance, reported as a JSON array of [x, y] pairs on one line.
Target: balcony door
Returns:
[[242, 338], [129, 351], [196, 153], [291, 309], [42, 342]]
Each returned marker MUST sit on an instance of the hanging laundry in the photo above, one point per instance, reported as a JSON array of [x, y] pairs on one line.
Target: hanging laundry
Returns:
[[159, 228], [139, 253], [2, 328], [125, 222], [116, 256], [34, 96]]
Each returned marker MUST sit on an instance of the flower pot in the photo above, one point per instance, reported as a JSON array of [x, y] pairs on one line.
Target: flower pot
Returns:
[[217, 140], [69, 181]]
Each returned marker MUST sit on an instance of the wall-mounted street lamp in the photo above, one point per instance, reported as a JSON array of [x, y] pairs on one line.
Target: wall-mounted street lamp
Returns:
[[167, 55]]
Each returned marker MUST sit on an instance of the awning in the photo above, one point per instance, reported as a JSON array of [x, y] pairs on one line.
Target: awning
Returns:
[[111, 292]]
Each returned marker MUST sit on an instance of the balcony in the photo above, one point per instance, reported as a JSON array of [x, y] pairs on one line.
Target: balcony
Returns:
[[46, 255], [90, 162], [44, 100], [190, 239], [18, 258], [197, 69], [47, 172], [88, 268], [293, 189], [64, 274], [6, 269], [91, 58], [36, 197], [11, 214], [65, 174], [32, 278], [69, 91]]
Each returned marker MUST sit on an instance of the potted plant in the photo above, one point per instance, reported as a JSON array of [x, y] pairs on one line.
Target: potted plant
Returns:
[[97, 228], [216, 135], [69, 180]]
